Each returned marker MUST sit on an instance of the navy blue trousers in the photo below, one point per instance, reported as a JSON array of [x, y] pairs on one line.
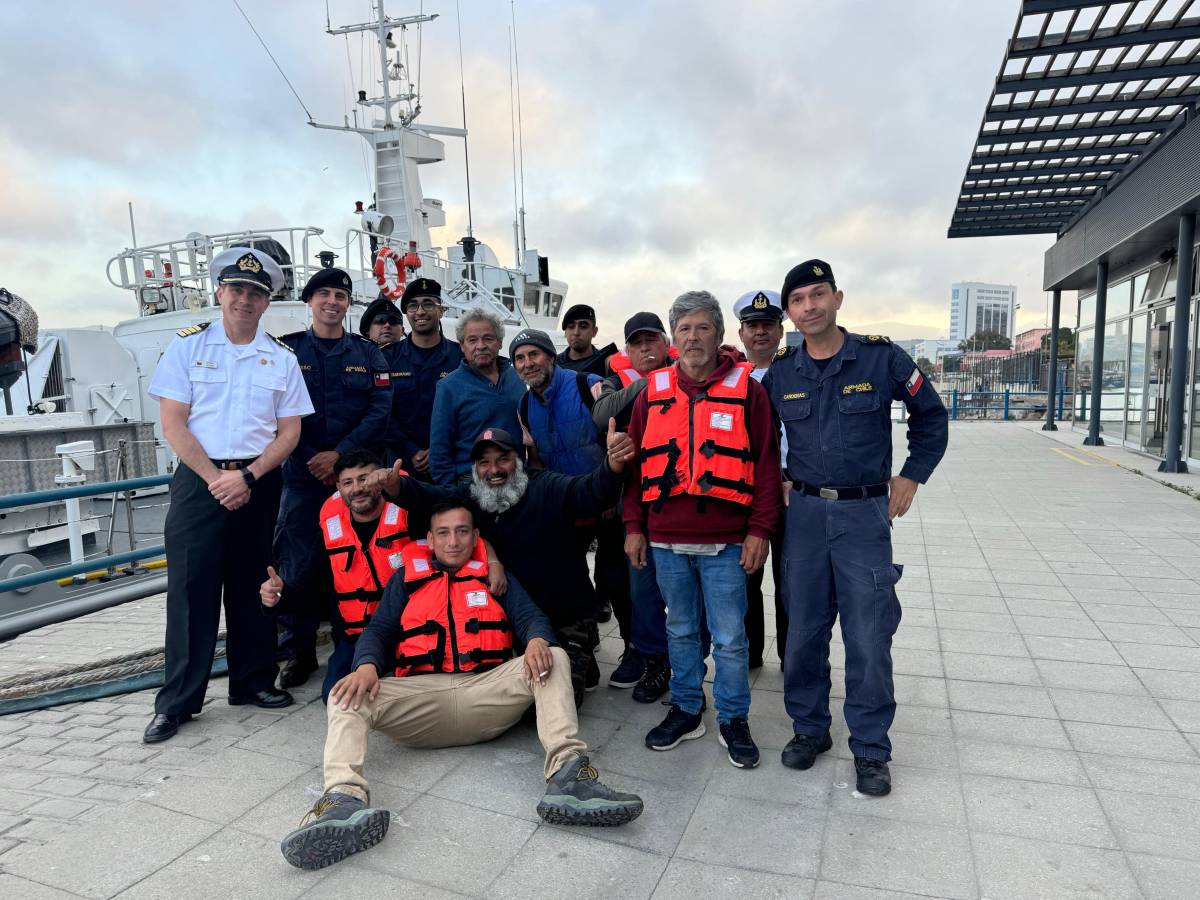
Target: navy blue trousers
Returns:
[[837, 563], [304, 567]]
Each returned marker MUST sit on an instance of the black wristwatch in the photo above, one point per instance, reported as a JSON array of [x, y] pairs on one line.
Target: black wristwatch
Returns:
[[248, 477]]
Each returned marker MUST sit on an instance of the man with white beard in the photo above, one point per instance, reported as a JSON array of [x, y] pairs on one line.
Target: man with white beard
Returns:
[[528, 517]]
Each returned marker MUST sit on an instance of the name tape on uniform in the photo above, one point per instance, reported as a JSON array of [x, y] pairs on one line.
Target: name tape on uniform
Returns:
[[721, 421]]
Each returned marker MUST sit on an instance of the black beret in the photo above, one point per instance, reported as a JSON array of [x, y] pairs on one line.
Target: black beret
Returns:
[[577, 312], [814, 271], [327, 278], [380, 306], [421, 287]]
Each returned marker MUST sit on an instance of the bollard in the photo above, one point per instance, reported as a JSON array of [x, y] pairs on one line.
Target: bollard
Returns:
[[954, 404], [77, 457], [1006, 404]]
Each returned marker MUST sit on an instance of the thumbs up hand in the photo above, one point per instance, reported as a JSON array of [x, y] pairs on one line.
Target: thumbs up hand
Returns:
[[620, 447], [271, 590], [387, 480]]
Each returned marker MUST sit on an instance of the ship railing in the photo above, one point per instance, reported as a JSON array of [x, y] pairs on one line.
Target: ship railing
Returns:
[[465, 285], [174, 274]]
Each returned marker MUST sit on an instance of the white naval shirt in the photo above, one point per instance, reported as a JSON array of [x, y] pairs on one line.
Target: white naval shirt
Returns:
[[237, 392]]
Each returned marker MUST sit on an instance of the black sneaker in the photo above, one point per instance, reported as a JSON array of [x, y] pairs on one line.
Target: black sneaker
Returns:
[[629, 672], [337, 826], [676, 727], [801, 751], [296, 671], [655, 681], [872, 776], [735, 737], [576, 796], [591, 678]]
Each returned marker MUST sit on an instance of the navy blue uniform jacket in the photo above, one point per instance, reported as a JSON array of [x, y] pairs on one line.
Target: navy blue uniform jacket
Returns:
[[838, 421], [415, 377]]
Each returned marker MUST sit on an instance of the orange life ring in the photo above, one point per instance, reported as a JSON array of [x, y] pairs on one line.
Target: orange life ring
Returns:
[[391, 279]]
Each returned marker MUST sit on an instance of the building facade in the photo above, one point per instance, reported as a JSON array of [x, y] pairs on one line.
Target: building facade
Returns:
[[976, 306]]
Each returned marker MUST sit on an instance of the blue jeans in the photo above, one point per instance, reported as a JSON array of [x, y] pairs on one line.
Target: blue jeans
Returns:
[[713, 588], [648, 620]]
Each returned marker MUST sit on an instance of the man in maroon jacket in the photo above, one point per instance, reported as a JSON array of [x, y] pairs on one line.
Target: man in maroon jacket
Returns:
[[704, 499]]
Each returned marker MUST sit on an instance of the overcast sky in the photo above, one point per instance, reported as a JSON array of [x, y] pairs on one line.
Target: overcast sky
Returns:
[[668, 145]]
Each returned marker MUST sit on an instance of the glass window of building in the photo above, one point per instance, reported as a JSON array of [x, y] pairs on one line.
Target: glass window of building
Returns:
[[1087, 310], [1135, 405], [1154, 286], [1139, 289], [1083, 373], [1118, 301], [1112, 384]]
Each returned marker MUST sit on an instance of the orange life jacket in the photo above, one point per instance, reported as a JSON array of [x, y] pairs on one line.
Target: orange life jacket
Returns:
[[716, 460], [359, 578], [621, 366], [451, 622]]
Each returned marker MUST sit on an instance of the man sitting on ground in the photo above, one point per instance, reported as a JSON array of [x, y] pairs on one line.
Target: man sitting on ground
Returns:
[[435, 625]]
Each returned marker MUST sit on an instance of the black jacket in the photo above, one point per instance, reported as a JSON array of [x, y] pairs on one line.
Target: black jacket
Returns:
[[536, 540], [596, 364], [377, 644]]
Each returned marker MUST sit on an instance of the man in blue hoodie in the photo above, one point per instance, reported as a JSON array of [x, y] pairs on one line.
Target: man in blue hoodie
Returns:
[[483, 392], [557, 413]]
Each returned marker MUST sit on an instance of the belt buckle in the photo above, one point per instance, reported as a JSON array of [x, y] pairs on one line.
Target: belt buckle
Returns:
[[827, 493]]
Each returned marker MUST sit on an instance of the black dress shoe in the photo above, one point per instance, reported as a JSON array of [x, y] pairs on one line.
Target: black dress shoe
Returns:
[[802, 750], [872, 777], [296, 671], [267, 699], [162, 727]]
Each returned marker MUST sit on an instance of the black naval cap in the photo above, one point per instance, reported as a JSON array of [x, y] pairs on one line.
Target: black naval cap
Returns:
[[814, 271], [577, 312], [497, 437], [327, 278], [421, 287], [643, 321]]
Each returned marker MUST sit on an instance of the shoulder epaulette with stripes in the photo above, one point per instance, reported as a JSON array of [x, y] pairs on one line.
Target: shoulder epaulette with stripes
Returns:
[[192, 329]]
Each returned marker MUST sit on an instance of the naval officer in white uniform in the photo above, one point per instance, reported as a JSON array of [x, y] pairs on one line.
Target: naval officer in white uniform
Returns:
[[230, 401]]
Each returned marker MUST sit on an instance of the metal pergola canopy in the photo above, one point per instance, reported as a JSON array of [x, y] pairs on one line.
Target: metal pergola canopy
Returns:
[[1087, 90]]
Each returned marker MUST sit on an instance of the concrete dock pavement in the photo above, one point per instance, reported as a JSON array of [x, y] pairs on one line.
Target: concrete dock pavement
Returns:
[[1047, 742]]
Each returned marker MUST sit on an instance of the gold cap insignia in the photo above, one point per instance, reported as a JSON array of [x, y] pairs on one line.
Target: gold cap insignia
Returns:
[[760, 301], [817, 270], [249, 263]]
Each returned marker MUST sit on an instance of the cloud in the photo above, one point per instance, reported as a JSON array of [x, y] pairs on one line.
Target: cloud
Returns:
[[668, 145]]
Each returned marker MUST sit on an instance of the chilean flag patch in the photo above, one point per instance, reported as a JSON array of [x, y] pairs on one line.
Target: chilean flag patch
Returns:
[[915, 380], [383, 379]]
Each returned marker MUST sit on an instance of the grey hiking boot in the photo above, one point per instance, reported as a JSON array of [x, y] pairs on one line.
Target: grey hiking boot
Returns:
[[576, 796], [336, 826]]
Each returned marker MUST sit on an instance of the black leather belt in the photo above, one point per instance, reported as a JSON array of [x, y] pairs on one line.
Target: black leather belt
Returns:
[[232, 464], [842, 493]]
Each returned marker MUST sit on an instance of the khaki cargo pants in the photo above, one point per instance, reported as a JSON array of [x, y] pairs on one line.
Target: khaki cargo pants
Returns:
[[444, 710]]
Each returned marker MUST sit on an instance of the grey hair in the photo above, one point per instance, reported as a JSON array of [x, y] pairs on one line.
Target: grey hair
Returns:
[[478, 314], [697, 301]]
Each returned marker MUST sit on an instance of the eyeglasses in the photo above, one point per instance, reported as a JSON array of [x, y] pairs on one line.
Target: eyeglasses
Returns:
[[387, 320], [423, 306]]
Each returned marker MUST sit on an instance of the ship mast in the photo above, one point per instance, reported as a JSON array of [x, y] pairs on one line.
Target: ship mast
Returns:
[[397, 144]]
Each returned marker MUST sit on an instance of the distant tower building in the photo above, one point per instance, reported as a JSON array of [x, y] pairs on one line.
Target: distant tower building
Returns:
[[982, 307]]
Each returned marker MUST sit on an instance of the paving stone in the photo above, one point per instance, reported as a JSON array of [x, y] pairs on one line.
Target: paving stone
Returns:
[[454, 846], [1150, 823], [557, 863], [250, 865], [1027, 763], [1160, 877], [1139, 742], [918, 795], [905, 856], [65, 786], [1089, 677], [111, 793], [85, 733], [755, 834], [1169, 685], [69, 766], [59, 808], [996, 669], [1072, 649], [208, 792], [1008, 699], [1109, 709], [833, 890], [1019, 868], [1152, 656], [23, 889], [1036, 810], [352, 879], [686, 879]]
